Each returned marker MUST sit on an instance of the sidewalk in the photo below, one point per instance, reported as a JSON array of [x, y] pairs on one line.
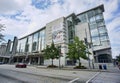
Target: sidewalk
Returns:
[[88, 76], [111, 76], [54, 73]]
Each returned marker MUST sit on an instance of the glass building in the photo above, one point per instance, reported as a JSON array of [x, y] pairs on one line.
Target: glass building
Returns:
[[88, 26], [93, 28]]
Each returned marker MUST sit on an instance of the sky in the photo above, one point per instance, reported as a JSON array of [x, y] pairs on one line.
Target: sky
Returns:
[[22, 17]]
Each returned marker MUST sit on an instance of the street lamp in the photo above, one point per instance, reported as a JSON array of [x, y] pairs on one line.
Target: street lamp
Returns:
[[59, 49], [86, 42]]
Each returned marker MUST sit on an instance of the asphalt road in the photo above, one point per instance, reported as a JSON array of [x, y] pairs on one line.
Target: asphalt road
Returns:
[[6, 79], [10, 76]]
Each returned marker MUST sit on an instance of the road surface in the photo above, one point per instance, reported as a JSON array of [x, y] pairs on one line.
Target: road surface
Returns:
[[10, 76]]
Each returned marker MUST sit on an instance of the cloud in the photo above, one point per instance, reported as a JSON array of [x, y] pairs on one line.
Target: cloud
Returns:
[[34, 15], [10, 7]]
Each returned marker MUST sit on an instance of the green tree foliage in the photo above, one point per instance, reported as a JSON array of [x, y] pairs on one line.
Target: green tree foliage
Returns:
[[51, 52], [118, 58], [77, 50], [1, 35]]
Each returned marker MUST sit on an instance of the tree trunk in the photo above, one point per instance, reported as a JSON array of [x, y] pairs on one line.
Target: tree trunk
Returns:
[[52, 62], [79, 62]]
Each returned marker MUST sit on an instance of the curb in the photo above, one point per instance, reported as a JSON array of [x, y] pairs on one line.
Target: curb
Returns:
[[69, 69]]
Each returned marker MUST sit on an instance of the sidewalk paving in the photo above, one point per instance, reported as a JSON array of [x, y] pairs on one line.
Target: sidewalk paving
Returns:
[[111, 76], [54, 73], [87, 75]]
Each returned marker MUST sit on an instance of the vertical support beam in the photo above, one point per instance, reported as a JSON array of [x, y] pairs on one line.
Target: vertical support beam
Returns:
[[29, 60], [23, 60], [3, 60], [38, 60], [96, 59], [17, 59]]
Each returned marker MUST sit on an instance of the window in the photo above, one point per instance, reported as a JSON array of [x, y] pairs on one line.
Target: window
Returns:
[[98, 11], [96, 41], [101, 23], [92, 19], [19, 46], [82, 18], [34, 46], [23, 42], [91, 14], [11, 46], [69, 23], [42, 39], [30, 43], [102, 30], [27, 48], [103, 38], [99, 16], [35, 42], [94, 32], [93, 26]]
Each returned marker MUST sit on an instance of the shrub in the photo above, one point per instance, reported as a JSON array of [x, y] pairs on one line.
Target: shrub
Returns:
[[52, 66], [80, 67]]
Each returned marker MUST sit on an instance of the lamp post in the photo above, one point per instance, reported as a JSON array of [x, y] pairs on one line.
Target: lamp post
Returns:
[[86, 42], [59, 48]]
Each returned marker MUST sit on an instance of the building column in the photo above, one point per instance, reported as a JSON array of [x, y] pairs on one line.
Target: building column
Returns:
[[17, 59], [39, 60], [23, 60], [29, 60], [3, 60], [96, 59]]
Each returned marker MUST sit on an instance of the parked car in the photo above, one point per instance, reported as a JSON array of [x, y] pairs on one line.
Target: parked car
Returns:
[[21, 65]]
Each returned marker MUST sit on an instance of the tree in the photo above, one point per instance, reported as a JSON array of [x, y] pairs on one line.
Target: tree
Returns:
[[1, 35], [118, 58], [77, 50], [51, 52]]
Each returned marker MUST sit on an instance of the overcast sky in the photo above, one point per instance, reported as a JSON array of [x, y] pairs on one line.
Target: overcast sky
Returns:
[[22, 17]]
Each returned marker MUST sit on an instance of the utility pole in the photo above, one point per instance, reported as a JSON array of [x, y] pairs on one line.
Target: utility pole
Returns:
[[59, 48], [86, 42]]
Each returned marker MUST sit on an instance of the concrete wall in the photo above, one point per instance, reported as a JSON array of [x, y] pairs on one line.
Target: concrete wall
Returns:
[[82, 31], [56, 32], [2, 49]]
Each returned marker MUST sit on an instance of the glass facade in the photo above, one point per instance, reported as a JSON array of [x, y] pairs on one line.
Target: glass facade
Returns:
[[97, 27], [32, 43], [22, 43], [98, 31], [82, 18], [42, 37], [93, 19], [71, 28], [35, 42], [11, 46]]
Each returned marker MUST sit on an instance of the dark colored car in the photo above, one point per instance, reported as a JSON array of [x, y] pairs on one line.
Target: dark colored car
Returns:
[[20, 65]]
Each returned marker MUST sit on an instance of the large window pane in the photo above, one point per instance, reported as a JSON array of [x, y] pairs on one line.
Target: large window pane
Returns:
[[102, 30], [82, 18], [30, 43], [94, 32], [92, 19], [98, 11], [101, 23], [23, 42], [99, 16], [35, 42], [91, 13], [95, 41], [93, 26], [41, 40]]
